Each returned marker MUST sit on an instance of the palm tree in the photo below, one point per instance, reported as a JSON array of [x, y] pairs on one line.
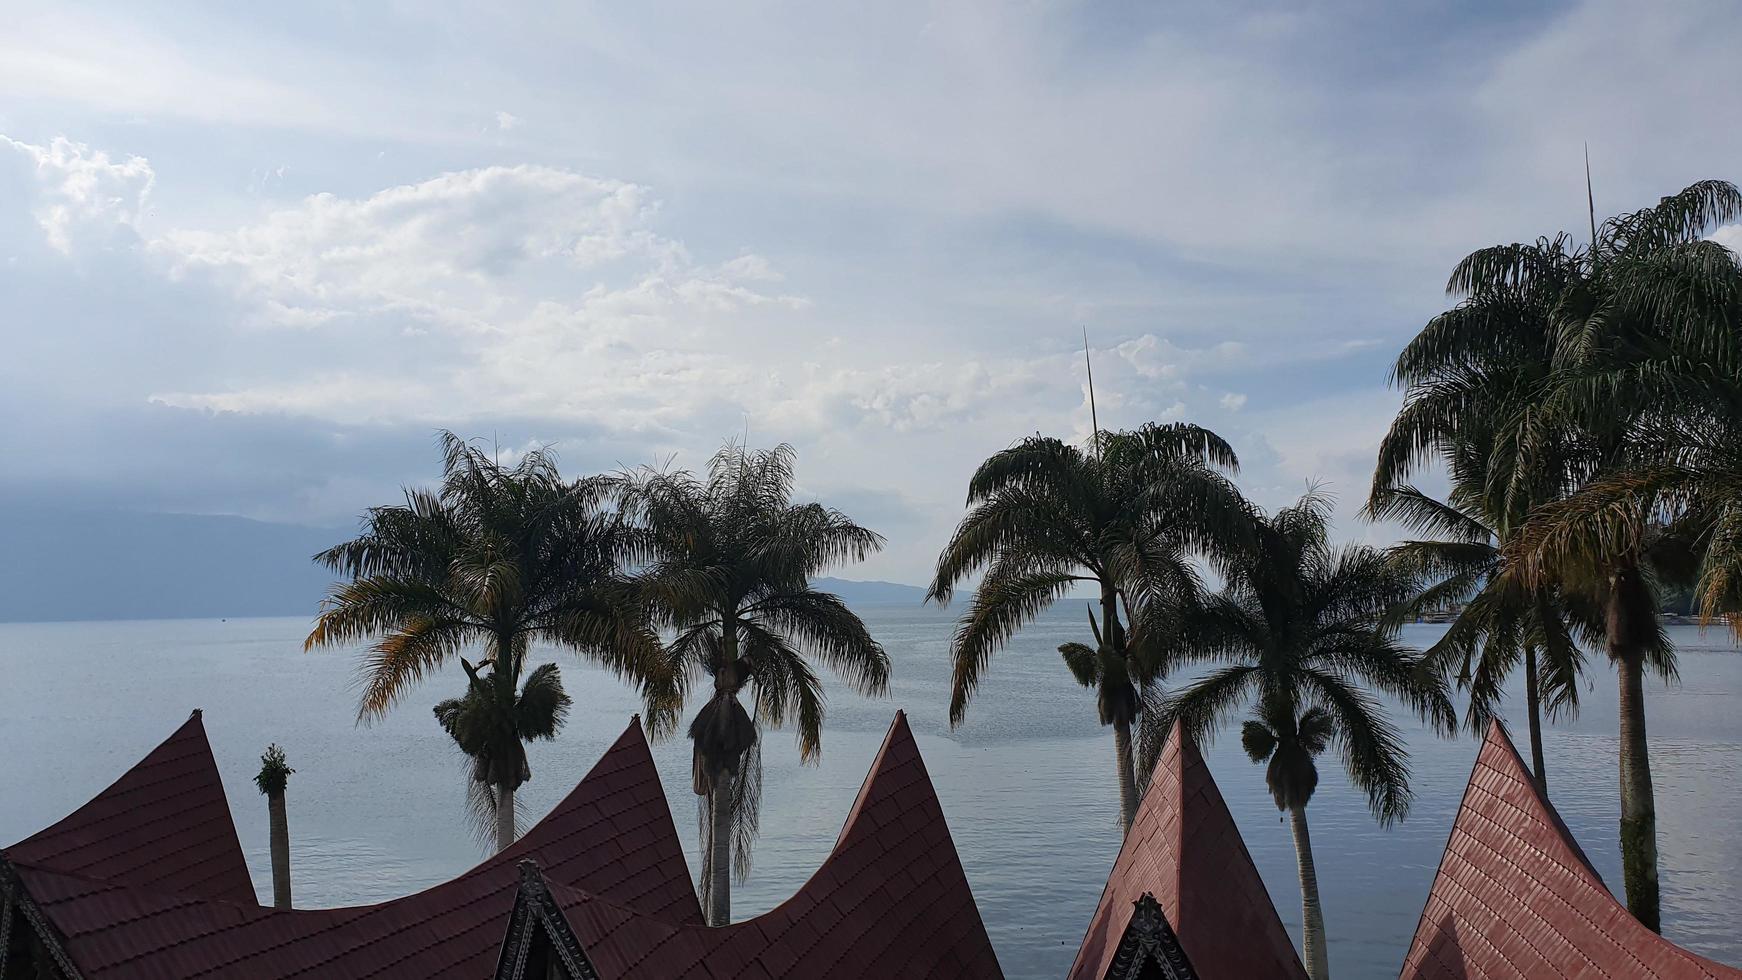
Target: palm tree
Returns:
[[1297, 632], [272, 779], [731, 566], [500, 557], [1126, 519], [1505, 618], [492, 731], [1644, 318]]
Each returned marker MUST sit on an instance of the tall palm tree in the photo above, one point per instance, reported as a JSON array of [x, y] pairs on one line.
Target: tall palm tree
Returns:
[[1647, 307], [500, 557], [731, 566], [1124, 517], [1505, 620], [1297, 632], [492, 731], [272, 779]]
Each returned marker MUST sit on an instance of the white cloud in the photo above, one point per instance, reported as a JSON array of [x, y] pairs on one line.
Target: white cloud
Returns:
[[85, 197], [1729, 236], [1160, 359], [886, 264]]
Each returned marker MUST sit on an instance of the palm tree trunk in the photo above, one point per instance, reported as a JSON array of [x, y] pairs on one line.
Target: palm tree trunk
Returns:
[[1127, 776], [1638, 807], [504, 816], [1113, 650], [279, 823], [1318, 963], [720, 851], [1533, 704]]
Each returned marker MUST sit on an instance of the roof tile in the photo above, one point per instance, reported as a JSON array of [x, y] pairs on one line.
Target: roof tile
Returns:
[[1515, 896], [1184, 849]]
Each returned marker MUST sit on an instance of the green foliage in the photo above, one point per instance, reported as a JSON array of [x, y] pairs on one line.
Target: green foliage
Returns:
[[275, 772], [497, 556], [1298, 633], [1128, 515], [729, 560]]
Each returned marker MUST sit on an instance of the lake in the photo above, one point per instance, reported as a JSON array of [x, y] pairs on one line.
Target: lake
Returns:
[[1027, 782]]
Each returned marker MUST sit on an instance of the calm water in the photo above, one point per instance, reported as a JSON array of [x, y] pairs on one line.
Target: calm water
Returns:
[[1027, 782]]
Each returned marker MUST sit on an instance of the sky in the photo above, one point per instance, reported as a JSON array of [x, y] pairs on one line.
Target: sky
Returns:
[[253, 257]]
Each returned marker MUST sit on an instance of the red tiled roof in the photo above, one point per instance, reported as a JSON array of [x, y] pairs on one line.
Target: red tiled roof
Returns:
[[164, 824], [1515, 897], [613, 835], [1185, 850], [891, 900]]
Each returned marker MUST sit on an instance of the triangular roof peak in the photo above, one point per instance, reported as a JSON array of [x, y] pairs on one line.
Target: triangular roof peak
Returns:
[[890, 900], [164, 824], [1515, 897], [1185, 850], [613, 836]]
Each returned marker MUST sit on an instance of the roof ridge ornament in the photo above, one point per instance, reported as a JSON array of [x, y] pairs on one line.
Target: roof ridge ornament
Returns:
[[1149, 939]]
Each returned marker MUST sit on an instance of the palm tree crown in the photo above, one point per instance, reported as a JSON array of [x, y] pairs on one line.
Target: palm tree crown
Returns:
[[1298, 633], [1127, 517], [730, 573], [1299, 627], [497, 557], [1577, 373]]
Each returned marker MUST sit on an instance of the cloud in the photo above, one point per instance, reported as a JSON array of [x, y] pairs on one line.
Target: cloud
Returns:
[[1729, 236], [874, 234], [84, 196]]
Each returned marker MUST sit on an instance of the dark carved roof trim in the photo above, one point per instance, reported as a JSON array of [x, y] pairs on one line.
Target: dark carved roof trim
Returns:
[[1148, 938], [535, 909], [17, 900]]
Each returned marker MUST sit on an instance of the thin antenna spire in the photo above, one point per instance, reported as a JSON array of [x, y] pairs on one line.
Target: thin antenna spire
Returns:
[[1094, 420], [1590, 200]]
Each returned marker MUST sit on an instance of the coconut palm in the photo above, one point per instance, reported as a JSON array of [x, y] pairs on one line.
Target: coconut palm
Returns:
[[1646, 313], [1297, 634], [492, 731], [1577, 370], [1474, 379], [730, 572], [1506, 621], [272, 779], [499, 557], [1124, 517]]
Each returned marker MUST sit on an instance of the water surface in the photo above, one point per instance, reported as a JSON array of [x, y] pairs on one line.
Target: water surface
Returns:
[[1026, 783]]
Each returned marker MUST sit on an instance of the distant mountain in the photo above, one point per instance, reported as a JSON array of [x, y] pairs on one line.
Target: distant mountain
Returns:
[[871, 593], [74, 565], [69, 564]]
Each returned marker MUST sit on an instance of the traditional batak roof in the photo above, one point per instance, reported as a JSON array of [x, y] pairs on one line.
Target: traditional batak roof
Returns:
[[891, 900], [1184, 857], [597, 890], [1515, 898], [613, 835], [164, 824]]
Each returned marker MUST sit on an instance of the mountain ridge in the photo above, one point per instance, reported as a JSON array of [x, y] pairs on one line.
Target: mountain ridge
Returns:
[[68, 565]]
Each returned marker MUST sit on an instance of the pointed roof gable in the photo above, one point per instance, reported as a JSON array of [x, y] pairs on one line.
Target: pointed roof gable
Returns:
[[539, 936], [1184, 849], [613, 836], [891, 900], [1515, 897], [1149, 948], [164, 824]]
